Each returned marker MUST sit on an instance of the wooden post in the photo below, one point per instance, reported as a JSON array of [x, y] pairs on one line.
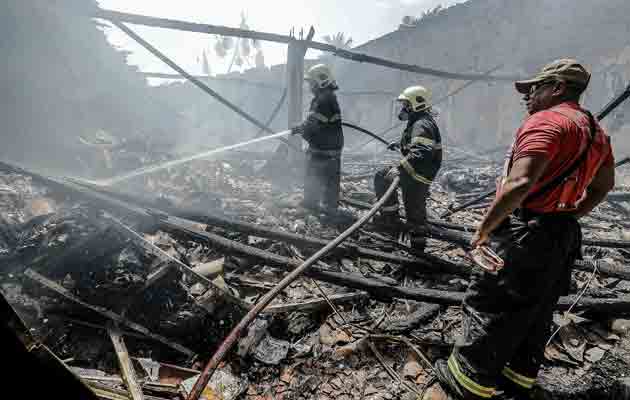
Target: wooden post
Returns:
[[126, 366], [295, 84]]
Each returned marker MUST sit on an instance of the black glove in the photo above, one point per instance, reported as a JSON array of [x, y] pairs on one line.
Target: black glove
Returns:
[[393, 146], [297, 130], [393, 172]]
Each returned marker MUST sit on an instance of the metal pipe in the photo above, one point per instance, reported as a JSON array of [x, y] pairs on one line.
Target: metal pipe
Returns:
[[234, 335]]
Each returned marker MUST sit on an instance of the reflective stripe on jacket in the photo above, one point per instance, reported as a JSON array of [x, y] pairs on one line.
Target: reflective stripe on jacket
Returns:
[[322, 128], [421, 146]]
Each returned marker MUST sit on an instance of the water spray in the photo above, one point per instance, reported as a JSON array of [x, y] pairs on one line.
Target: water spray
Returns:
[[172, 163]]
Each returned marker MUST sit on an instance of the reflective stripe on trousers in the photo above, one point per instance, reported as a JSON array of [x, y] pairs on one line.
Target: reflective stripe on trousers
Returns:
[[521, 380], [467, 383]]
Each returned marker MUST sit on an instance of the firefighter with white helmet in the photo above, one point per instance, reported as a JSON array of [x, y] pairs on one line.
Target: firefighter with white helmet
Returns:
[[421, 147], [322, 130]]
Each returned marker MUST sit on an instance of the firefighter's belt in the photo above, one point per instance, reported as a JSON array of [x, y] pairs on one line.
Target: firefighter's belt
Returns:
[[324, 119], [326, 153]]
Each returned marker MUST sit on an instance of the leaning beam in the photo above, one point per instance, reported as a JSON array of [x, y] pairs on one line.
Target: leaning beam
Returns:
[[137, 19]]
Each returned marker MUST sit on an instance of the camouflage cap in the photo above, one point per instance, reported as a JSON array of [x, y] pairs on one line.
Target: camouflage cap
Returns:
[[565, 70]]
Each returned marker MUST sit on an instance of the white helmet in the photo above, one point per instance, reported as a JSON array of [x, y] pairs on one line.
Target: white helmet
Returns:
[[321, 75], [418, 96]]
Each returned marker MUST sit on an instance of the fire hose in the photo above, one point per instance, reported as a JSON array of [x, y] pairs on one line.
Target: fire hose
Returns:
[[373, 135], [236, 333], [608, 108]]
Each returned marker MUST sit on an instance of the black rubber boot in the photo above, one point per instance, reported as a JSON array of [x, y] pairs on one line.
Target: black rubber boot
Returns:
[[418, 243], [512, 391], [448, 383], [388, 221]]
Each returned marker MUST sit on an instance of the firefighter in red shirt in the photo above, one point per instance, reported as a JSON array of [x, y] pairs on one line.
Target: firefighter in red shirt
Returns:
[[560, 167]]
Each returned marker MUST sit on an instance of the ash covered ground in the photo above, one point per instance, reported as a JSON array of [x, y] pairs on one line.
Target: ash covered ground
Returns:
[[74, 269]]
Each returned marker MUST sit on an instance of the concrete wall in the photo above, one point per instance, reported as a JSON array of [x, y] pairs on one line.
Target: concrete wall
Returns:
[[521, 35]]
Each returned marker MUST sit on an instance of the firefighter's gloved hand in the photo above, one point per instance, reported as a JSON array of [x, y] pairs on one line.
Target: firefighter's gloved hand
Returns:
[[393, 146], [297, 130], [392, 173]]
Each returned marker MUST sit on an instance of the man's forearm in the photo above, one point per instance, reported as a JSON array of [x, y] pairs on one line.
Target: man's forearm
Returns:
[[509, 200], [590, 201]]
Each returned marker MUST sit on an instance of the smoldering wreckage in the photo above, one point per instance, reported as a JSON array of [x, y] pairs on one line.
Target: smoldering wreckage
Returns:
[[168, 278], [127, 291]]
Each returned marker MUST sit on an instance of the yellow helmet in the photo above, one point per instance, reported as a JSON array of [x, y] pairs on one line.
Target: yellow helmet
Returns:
[[321, 75], [418, 96]]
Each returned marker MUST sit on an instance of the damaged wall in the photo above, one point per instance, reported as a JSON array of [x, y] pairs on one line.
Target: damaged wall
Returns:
[[475, 36], [481, 34], [60, 78]]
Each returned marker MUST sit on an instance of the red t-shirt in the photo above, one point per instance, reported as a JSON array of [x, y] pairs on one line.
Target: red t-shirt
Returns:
[[562, 139]]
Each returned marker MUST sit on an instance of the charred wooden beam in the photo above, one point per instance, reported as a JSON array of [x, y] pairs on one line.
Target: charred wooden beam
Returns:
[[126, 366], [376, 288], [116, 16], [107, 392], [47, 283], [426, 261], [464, 240], [314, 304], [265, 300]]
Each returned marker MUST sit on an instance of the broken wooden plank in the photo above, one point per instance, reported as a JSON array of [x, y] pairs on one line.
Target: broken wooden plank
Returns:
[[42, 280], [313, 304], [125, 364], [109, 393], [99, 327], [117, 18], [129, 204], [210, 269], [374, 287], [156, 275], [155, 386], [219, 293]]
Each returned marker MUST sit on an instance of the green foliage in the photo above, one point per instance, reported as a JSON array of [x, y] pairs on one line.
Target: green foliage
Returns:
[[241, 48], [338, 40], [409, 20]]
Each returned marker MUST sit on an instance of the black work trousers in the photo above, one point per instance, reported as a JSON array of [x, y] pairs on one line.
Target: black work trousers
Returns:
[[321, 183], [507, 316], [414, 196]]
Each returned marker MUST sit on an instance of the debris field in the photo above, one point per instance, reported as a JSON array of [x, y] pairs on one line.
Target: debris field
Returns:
[[146, 282]]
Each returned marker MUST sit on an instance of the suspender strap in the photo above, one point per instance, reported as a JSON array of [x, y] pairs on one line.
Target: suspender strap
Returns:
[[558, 180]]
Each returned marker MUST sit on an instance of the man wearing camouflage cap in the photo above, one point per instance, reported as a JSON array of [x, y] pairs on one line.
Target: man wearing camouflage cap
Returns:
[[559, 168]]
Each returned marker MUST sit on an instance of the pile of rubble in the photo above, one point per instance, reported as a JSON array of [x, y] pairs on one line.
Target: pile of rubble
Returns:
[[119, 297]]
